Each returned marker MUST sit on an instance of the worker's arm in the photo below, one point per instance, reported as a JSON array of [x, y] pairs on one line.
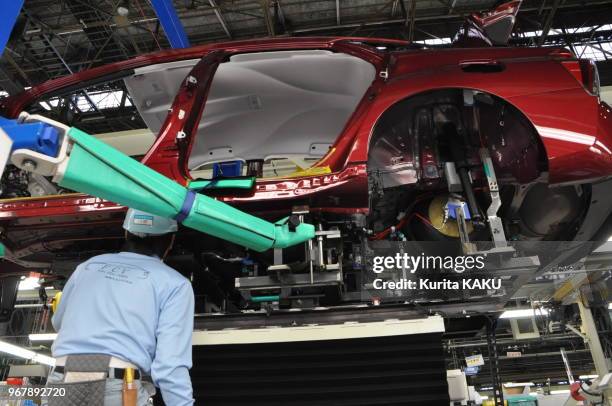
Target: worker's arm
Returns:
[[58, 316], [170, 368]]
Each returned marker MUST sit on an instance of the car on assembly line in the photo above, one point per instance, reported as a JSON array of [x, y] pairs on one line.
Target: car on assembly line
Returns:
[[367, 139]]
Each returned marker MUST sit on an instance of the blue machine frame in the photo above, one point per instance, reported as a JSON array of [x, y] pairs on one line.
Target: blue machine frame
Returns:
[[10, 12], [169, 20]]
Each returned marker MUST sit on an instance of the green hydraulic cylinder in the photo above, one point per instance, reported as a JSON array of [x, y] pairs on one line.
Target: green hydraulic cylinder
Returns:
[[100, 170], [264, 299]]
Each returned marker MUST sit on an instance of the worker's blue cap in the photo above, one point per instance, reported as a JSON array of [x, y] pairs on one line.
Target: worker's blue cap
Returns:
[[144, 224]]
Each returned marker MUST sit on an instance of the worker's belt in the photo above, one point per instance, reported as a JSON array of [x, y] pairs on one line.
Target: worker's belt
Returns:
[[117, 373], [84, 380], [113, 363]]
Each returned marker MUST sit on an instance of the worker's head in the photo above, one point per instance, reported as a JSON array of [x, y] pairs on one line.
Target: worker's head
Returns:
[[149, 234]]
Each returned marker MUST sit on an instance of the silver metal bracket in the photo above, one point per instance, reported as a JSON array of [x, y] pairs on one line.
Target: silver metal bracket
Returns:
[[496, 227]]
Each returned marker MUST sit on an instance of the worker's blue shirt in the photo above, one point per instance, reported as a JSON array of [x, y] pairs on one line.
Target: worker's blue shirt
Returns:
[[133, 307]]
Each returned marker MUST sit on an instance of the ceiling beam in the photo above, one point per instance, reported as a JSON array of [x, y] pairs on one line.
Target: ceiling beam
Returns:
[[8, 58], [56, 52], [8, 83], [338, 12], [220, 17], [600, 48], [549, 21], [411, 19], [394, 8], [265, 5], [279, 17]]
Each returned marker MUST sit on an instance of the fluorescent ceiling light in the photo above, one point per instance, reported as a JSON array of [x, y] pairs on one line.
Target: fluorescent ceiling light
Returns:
[[518, 384], [610, 306], [43, 337], [559, 392], [588, 377], [523, 313], [25, 353], [29, 283]]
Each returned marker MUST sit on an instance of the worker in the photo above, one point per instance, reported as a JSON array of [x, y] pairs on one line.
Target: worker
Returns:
[[132, 311]]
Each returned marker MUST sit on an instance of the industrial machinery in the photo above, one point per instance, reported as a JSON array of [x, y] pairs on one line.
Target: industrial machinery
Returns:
[[590, 393], [398, 147]]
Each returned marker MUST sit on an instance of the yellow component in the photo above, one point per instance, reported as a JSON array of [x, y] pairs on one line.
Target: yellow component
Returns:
[[436, 217], [565, 289], [129, 395], [55, 301], [492, 402], [312, 171], [128, 377], [26, 199]]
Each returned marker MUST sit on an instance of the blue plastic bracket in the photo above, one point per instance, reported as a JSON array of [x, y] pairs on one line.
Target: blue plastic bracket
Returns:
[[228, 169], [36, 136], [453, 206]]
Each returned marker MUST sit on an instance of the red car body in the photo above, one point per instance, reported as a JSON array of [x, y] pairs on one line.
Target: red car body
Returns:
[[539, 82]]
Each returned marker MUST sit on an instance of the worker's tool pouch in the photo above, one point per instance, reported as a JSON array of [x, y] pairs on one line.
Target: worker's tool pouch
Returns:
[[84, 380]]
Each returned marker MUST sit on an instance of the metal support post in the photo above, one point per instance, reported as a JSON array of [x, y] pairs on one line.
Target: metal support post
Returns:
[[568, 369], [498, 392], [592, 339]]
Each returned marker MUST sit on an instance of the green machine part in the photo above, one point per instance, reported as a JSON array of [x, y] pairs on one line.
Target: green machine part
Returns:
[[521, 400], [2, 250], [100, 170], [263, 299], [217, 184]]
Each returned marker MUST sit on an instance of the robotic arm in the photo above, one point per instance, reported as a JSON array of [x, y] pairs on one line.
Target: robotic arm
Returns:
[[599, 392], [80, 162]]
